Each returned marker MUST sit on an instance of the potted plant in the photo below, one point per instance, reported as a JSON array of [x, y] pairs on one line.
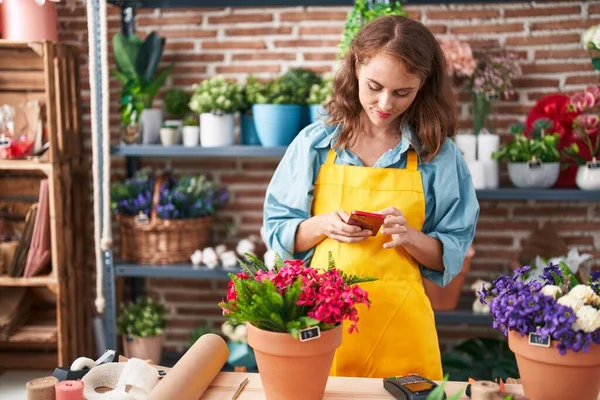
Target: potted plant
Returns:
[[137, 70], [553, 327], [216, 100], [492, 79], [294, 316], [142, 323], [176, 105], [319, 95], [302, 80], [534, 162], [248, 135], [191, 131], [585, 127], [365, 11], [170, 134]]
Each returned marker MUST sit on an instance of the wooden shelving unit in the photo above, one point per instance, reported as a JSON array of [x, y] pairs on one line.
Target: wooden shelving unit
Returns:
[[49, 73]]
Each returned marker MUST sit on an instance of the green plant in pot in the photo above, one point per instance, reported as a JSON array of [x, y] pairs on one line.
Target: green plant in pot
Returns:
[[137, 70], [191, 131], [534, 162], [176, 104], [319, 95], [217, 100], [365, 11], [250, 89], [142, 323]]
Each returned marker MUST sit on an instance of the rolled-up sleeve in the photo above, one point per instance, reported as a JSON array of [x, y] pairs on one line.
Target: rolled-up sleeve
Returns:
[[453, 215], [289, 196]]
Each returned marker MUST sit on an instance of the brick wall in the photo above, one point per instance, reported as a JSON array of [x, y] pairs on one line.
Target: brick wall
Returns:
[[235, 42]]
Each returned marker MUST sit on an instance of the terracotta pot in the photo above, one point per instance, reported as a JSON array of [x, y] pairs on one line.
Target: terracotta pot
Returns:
[[25, 20], [143, 348], [546, 374], [291, 369], [446, 298]]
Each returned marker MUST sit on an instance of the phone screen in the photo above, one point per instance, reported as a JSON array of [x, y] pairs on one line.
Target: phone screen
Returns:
[[418, 387]]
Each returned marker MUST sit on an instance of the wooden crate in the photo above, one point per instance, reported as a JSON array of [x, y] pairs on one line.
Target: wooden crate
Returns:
[[48, 72]]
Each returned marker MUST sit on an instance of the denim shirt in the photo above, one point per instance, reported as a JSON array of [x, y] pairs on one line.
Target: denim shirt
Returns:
[[451, 206]]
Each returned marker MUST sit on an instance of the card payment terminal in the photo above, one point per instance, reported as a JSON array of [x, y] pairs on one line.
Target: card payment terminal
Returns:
[[410, 387]]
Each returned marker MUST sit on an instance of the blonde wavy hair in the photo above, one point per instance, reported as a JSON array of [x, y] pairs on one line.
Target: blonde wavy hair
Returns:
[[433, 114]]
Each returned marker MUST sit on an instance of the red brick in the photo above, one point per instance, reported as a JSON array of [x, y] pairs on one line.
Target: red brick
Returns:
[[413, 14], [184, 57], [498, 28], [493, 241], [553, 54], [504, 254], [539, 68], [252, 219], [257, 44], [267, 30], [594, 8], [571, 24], [172, 46], [542, 211], [582, 80], [512, 109], [189, 297], [437, 29], [483, 43], [497, 226], [177, 284], [320, 56], [187, 33], [205, 311], [264, 56], [544, 39], [237, 207], [463, 14], [250, 193], [204, 164], [535, 96], [307, 43], [320, 69], [314, 16], [578, 240], [259, 165], [189, 69], [573, 226], [321, 30], [186, 82], [493, 212], [540, 12], [248, 69], [190, 19], [535, 83], [240, 18]]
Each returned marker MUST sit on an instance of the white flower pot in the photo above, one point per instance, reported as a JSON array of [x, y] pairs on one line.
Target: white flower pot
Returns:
[[169, 136], [216, 130], [151, 122], [588, 176], [191, 136], [532, 175]]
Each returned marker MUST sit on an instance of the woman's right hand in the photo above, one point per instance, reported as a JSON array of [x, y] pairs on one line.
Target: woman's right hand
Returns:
[[334, 226]]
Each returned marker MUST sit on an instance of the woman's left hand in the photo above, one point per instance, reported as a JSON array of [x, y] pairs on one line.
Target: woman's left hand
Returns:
[[395, 226]]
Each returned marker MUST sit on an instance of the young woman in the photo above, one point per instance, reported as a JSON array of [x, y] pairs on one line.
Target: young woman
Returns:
[[384, 149]]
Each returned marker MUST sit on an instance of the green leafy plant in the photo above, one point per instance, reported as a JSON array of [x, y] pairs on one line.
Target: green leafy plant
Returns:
[[362, 14], [191, 120], [142, 318], [320, 93], [481, 359], [251, 89], [293, 296], [302, 80], [439, 393], [540, 146], [218, 95], [137, 70], [177, 103]]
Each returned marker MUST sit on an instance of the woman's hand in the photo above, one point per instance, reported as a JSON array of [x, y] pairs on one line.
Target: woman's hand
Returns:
[[334, 226], [395, 226]]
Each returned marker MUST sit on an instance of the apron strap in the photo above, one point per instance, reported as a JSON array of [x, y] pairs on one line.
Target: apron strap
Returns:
[[412, 160], [331, 156]]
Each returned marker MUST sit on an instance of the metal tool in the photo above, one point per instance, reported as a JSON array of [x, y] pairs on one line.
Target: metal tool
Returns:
[[239, 389]]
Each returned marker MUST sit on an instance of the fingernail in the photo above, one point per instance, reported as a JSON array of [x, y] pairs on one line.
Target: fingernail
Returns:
[[369, 233]]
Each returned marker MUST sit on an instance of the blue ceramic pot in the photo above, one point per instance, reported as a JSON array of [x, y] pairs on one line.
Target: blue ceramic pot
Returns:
[[248, 133], [276, 124]]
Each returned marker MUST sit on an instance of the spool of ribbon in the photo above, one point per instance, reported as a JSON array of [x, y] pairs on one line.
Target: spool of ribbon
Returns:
[[69, 390], [41, 389]]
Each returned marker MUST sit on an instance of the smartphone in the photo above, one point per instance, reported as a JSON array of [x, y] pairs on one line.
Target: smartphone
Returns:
[[367, 220]]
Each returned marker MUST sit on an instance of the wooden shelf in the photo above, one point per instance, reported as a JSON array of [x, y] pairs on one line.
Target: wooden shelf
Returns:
[[26, 165], [35, 334], [35, 281]]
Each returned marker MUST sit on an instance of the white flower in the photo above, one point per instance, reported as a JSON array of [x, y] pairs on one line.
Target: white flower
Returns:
[[210, 258], [229, 259], [570, 301], [245, 246], [269, 257], [241, 333], [227, 329], [592, 35], [196, 258], [552, 291], [588, 319], [584, 293]]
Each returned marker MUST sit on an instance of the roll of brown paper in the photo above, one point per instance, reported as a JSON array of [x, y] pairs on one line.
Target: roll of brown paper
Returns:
[[193, 373], [41, 389]]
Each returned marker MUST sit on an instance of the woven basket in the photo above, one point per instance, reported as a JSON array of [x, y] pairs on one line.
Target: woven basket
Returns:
[[160, 241]]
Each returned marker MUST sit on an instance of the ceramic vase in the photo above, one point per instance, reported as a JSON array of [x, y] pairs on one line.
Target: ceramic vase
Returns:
[[151, 122], [546, 374], [216, 130], [588, 176], [191, 136], [169, 136], [291, 369], [532, 175], [149, 348]]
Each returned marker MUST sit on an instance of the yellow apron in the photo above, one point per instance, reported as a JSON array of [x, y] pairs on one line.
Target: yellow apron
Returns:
[[397, 335]]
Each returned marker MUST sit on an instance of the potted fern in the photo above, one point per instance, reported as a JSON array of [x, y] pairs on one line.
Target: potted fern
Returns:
[[534, 162], [142, 323], [217, 100]]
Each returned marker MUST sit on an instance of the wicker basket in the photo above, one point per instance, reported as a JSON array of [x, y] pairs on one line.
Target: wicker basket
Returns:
[[158, 241]]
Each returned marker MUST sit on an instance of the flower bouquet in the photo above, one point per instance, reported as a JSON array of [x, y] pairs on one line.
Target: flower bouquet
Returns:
[[553, 327], [294, 315], [459, 59], [162, 219]]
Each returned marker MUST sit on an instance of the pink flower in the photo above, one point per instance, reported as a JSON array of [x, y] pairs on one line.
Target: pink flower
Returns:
[[582, 101], [459, 57], [594, 90]]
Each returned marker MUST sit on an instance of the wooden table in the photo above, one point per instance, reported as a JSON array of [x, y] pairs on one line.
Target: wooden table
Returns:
[[226, 383]]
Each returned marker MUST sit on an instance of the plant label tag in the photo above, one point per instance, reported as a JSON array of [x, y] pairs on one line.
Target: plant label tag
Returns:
[[593, 165], [4, 142], [142, 219], [533, 164], [539, 340], [310, 334]]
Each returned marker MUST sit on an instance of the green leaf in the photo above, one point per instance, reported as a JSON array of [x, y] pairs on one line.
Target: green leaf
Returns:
[[121, 77], [596, 63], [568, 275], [125, 50], [149, 56], [152, 89]]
